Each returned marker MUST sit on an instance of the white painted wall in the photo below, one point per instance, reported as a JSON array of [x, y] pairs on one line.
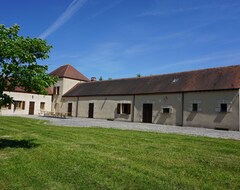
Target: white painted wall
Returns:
[[59, 103], [28, 97], [104, 107], [208, 116], [159, 101]]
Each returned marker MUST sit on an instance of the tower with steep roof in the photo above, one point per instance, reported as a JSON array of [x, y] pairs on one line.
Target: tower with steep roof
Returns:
[[68, 77]]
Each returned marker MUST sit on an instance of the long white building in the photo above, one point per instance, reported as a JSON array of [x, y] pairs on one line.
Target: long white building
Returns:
[[201, 98]]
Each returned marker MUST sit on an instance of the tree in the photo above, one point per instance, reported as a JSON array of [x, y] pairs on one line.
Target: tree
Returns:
[[139, 75], [18, 63], [100, 78]]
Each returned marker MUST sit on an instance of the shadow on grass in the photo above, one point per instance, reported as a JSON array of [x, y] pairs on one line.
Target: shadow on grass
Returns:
[[6, 143]]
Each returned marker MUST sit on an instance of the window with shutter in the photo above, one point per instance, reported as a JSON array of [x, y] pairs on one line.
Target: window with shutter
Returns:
[[124, 108]]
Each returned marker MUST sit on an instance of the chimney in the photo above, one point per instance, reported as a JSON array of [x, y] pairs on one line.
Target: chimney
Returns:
[[93, 79]]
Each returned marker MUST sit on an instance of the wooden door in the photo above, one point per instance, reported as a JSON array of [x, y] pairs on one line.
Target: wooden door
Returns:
[[69, 109], [31, 108], [90, 110], [147, 113]]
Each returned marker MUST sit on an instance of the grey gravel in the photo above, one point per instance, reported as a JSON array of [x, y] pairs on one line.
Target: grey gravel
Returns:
[[87, 122]]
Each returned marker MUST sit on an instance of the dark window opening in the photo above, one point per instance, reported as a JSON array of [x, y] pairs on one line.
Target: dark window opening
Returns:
[[118, 108], [194, 107], [126, 108], [19, 105], [123, 108], [56, 90], [223, 108], [42, 106], [166, 110]]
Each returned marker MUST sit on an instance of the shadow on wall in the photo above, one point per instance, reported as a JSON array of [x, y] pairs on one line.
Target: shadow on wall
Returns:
[[120, 116], [220, 117], [163, 117], [27, 144], [191, 116]]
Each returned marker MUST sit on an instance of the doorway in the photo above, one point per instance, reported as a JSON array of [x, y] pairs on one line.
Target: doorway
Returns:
[[69, 109], [90, 110], [31, 108], [147, 113]]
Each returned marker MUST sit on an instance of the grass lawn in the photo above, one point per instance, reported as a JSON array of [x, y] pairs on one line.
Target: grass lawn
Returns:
[[34, 155]]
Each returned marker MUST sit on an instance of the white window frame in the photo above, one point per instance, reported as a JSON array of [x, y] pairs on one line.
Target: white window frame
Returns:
[[166, 107], [121, 108], [229, 106]]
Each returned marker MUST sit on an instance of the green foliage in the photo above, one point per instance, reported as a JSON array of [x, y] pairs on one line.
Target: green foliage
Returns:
[[139, 75], [18, 63], [100, 78], [34, 155]]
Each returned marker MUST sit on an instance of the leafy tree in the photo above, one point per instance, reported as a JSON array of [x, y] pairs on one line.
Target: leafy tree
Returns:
[[100, 78], [139, 75], [18, 63]]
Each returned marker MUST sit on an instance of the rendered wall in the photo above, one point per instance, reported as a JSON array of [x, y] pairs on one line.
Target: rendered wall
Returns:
[[209, 116], [158, 102], [27, 97], [65, 84], [66, 101], [104, 107]]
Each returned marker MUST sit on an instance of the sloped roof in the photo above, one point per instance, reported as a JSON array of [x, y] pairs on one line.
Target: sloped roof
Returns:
[[221, 78], [19, 89], [68, 71]]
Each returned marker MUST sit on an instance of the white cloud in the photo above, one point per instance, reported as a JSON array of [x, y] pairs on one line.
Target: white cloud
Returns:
[[224, 57], [64, 17], [180, 10]]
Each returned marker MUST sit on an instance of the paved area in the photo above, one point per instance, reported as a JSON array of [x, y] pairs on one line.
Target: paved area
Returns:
[[86, 122]]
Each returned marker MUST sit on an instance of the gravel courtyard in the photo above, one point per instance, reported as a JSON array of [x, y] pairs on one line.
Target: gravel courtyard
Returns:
[[86, 122]]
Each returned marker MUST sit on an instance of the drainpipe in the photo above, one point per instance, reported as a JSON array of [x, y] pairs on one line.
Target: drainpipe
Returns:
[[77, 107], [182, 108], [238, 110], [133, 105]]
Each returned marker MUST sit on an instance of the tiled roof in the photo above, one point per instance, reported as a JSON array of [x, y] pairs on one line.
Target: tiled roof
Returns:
[[68, 71], [18, 89], [221, 78]]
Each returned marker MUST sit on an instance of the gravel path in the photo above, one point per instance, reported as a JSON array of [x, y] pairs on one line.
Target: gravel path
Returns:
[[86, 122]]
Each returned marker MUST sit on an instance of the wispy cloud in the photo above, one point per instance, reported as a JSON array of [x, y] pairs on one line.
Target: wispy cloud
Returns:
[[64, 17], [180, 10], [175, 11], [226, 57], [109, 6], [104, 58]]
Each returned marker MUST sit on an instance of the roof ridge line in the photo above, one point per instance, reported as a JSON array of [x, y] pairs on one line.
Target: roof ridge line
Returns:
[[167, 74]]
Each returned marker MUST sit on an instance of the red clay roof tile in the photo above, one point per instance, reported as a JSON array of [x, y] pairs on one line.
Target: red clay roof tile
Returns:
[[68, 71], [221, 78]]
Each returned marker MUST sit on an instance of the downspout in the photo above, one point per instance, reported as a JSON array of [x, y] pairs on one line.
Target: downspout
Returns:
[[133, 106], [238, 110], [182, 108], [77, 107]]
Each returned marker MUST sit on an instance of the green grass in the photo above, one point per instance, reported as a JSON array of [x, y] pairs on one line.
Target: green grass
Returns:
[[34, 155]]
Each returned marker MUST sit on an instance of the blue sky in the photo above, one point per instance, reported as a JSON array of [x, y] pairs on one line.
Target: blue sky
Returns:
[[123, 38]]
